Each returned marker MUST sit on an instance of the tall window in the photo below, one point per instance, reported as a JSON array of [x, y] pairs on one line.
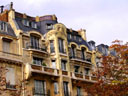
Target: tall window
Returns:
[[76, 69], [6, 46], [83, 53], [79, 91], [63, 65], [73, 51], [3, 26], [37, 61], [52, 49], [40, 88], [34, 42], [65, 84], [56, 88], [87, 71], [10, 78], [61, 45], [53, 64]]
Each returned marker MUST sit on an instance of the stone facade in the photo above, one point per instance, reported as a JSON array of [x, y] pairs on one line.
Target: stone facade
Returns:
[[51, 58]]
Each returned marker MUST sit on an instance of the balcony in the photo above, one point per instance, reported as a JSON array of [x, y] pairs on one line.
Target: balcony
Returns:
[[64, 72], [82, 77], [38, 48], [78, 75], [33, 68], [10, 86], [80, 59], [40, 92], [10, 57]]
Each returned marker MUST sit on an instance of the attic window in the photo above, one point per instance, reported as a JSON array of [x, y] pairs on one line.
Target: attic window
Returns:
[[49, 26], [3, 26], [34, 25], [25, 22]]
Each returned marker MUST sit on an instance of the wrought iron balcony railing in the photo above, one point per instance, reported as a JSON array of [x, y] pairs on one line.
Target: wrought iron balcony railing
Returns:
[[80, 58], [36, 47], [10, 86]]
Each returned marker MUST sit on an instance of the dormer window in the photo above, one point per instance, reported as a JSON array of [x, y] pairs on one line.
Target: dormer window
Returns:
[[3, 26], [49, 26], [34, 25], [25, 22]]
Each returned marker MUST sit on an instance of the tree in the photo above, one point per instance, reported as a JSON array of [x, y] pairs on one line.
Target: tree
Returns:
[[3, 90], [112, 78]]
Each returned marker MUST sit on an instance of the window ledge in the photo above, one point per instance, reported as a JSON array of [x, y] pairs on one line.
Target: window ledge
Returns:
[[64, 54], [13, 89]]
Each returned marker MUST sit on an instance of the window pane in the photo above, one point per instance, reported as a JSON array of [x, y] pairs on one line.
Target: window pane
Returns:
[[52, 46], [6, 46], [10, 76], [39, 88], [53, 64], [78, 91], [65, 85], [55, 87], [63, 64], [61, 45]]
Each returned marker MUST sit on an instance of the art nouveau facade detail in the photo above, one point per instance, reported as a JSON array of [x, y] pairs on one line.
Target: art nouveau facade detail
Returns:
[[50, 57]]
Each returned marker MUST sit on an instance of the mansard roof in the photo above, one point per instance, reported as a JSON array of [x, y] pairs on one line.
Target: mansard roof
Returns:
[[9, 30], [82, 42]]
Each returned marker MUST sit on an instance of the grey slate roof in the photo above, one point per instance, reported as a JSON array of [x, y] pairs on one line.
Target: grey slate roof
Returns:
[[82, 42], [24, 28], [9, 32]]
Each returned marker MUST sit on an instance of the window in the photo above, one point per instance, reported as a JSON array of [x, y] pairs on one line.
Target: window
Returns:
[[53, 64], [10, 78], [79, 91], [87, 71], [76, 69], [40, 88], [61, 45], [73, 51], [69, 36], [56, 88], [34, 42], [63, 65], [52, 49], [6, 46], [83, 53], [3, 26], [49, 26], [25, 22], [37, 61], [34, 25], [65, 85]]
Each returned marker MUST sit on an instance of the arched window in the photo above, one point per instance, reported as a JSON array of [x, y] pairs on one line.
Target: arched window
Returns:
[[34, 41], [83, 53], [73, 51]]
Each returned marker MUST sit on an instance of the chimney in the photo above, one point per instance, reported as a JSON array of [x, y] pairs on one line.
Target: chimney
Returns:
[[2, 8], [83, 34], [11, 5]]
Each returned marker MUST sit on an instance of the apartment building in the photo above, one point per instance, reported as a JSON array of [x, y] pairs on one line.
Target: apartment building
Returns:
[[52, 59]]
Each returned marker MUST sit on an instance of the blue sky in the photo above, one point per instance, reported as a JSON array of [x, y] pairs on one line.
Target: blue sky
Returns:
[[104, 20]]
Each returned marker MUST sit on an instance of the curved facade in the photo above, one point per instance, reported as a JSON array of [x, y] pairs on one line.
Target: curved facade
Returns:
[[52, 58]]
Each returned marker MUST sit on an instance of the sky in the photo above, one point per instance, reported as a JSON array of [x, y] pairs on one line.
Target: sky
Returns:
[[104, 20]]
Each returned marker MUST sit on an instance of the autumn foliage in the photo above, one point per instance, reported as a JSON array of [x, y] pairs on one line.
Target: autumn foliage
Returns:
[[113, 76]]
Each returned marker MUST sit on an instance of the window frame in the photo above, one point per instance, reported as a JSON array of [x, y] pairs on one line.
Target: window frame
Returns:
[[52, 48], [38, 86], [64, 65], [61, 45]]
